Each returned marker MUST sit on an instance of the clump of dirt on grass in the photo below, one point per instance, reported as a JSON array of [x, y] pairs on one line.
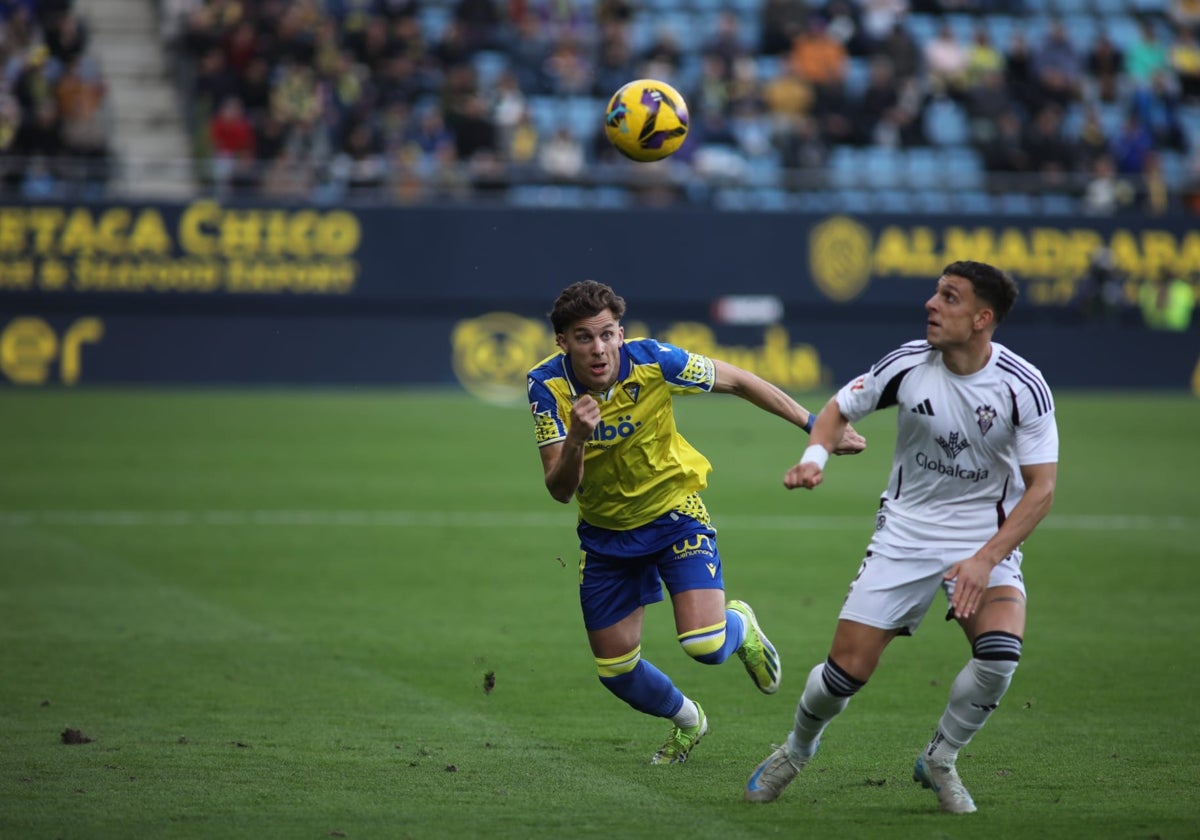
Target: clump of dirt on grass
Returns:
[[74, 736]]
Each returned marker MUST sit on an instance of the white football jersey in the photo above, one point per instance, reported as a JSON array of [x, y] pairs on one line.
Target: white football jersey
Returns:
[[959, 443]]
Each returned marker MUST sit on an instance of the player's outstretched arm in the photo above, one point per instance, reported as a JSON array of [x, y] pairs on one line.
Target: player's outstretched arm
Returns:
[[829, 430], [751, 387]]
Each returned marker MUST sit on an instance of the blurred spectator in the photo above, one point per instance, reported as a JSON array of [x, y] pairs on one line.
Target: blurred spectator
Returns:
[[214, 83], [902, 49], [1052, 154], [1157, 107], [664, 56], [1105, 68], [615, 66], [880, 96], [1058, 67], [712, 90], [474, 132], [360, 165], [985, 102], [1185, 14], [1167, 302], [1132, 145], [231, 138], [613, 11], [430, 134], [1004, 153], [562, 156], [787, 95], [1100, 291], [528, 53], [522, 141], [569, 68], [879, 21], [1185, 63], [241, 45], [1153, 197], [983, 58], [800, 147], [726, 41], [254, 87], [66, 37], [20, 24], [1107, 193], [480, 21], [1020, 74], [509, 104], [782, 21], [819, 58], [1190, 192], [1092, 140], [946, 62], [81, 94], [1147, 57], [842, 23]]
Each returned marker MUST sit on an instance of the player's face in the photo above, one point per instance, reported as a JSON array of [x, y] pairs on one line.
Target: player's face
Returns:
[[593, 347], [954, 313]]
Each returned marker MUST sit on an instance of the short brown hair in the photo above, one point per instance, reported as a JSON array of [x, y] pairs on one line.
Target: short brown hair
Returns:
[[583, 300], [992, 285]]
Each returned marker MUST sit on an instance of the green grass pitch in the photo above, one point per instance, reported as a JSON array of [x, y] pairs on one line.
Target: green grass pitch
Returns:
[[274, 614]]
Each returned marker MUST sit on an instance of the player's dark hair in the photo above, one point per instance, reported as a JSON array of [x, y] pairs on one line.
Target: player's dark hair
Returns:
[[992, 285], [583, 300]]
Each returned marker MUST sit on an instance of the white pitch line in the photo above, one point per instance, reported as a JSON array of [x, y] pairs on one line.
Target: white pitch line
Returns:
[[500, 519]]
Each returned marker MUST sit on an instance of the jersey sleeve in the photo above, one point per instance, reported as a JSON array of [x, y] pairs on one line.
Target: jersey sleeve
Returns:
[[548, 425], [1037, 432], [859, 397], [879, 387], [684, 372]]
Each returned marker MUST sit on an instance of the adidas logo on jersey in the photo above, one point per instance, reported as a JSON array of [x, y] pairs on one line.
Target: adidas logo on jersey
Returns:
[[925, 407]]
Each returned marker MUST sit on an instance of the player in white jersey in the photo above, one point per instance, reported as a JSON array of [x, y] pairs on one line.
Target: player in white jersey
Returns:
[[973, 474]]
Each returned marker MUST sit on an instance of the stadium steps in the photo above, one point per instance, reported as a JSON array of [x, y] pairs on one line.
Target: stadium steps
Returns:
[[148, 134]]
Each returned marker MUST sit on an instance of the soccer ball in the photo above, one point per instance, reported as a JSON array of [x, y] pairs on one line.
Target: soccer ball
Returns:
[[646, 120]]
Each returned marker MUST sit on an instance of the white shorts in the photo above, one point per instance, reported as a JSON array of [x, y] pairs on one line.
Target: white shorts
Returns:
[[896, 594]]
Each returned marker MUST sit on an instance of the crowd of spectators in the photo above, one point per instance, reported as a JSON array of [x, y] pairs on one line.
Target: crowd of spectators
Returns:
[[54, 132], [410, 100], [360, 97]]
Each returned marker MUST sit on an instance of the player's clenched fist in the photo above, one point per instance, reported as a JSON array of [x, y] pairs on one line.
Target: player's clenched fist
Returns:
[[585, 416], [806, 474]]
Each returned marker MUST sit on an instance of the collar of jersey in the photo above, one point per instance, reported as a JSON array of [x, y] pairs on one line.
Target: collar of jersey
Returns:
[[578, 388]]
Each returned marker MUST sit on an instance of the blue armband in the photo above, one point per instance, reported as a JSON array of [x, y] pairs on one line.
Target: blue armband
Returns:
[[812, 418]]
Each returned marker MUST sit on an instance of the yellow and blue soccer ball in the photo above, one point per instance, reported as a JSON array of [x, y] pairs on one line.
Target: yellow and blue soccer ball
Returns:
[[646, 120]]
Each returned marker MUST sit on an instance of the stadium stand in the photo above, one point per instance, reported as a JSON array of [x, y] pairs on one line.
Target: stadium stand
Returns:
[[977, 106]]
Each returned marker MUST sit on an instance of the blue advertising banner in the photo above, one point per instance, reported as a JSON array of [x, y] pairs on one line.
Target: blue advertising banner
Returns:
[[209, 293], [405, 255]]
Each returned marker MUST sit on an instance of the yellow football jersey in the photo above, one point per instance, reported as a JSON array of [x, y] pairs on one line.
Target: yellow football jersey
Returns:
[[637, 466]]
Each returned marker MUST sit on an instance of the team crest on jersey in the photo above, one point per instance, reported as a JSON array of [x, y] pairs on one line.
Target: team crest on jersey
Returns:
[[954, 445], [987, 416], [633, 390]]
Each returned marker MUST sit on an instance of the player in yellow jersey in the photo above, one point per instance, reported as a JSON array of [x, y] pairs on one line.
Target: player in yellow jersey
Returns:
[[605, 426]]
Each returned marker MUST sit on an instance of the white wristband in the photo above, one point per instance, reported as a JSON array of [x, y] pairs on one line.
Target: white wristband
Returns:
[[815, 454]]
